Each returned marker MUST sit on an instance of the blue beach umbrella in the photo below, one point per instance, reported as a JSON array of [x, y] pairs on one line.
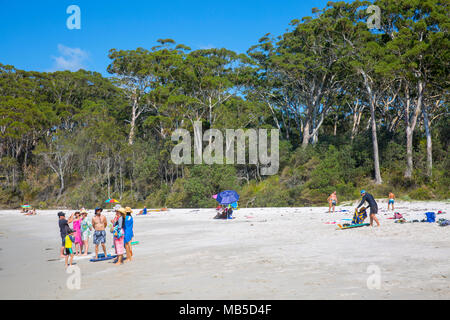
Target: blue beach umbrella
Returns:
[[227, 197]]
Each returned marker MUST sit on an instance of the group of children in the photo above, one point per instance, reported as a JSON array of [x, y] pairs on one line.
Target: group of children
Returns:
[[82, 229]]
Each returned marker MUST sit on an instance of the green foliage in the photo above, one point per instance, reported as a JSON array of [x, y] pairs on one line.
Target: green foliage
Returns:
[[77, 138]]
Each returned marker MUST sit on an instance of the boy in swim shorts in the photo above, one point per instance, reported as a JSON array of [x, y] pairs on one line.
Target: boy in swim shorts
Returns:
[[68, 246], [391, 200], [332, 201]]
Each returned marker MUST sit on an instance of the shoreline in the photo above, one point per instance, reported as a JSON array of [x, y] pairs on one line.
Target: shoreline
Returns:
[[264, 253]]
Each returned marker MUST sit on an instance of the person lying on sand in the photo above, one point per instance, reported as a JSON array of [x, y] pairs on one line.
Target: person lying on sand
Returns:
[[31, 213], [372, 204]]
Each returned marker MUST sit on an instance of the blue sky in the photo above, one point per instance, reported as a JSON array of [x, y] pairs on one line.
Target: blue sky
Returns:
[[34, 35]]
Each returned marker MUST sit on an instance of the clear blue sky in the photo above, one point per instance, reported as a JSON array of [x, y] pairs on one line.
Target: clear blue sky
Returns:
[[34, 36]]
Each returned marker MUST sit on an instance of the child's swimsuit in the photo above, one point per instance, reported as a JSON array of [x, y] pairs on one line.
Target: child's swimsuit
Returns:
[[68, 245]]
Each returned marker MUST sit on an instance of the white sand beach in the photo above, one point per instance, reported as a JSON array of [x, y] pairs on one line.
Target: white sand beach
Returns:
[[264, 253]]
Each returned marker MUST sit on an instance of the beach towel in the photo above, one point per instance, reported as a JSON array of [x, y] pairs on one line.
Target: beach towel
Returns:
[[359, 216], [398, 215]]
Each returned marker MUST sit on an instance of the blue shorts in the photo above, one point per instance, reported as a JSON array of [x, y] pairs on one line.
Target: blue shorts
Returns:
[[391, 201], [99, 237]]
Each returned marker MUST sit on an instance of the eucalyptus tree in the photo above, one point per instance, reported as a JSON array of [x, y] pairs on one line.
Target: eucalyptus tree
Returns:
[[138, 73], [415, 50]]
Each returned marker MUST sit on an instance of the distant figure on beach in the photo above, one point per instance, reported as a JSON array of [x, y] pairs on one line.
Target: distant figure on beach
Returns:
[[31, 212], [119, 234], [332, 201], [99, 223], [391, 200], [128, 233], [68, 242], [86, 230], [143, 211], [372, 204], [63, 229]]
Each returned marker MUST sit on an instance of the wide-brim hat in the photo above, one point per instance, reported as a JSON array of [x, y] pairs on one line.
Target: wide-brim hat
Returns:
[[121, 210]]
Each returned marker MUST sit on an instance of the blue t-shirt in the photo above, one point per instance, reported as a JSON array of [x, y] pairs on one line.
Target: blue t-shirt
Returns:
[[145, 211]]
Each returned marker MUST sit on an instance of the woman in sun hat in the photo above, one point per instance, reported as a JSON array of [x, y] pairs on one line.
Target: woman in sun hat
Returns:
[[86, 230], [119, 235], [128, 232]]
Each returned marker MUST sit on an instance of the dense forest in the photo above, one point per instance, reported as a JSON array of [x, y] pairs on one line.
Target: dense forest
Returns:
[[355, 108]]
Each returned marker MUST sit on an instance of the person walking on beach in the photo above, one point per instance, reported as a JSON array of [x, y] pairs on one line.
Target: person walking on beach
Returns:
[[86, 228], [128, 233], [391, 200], [332, 201], [119, 235], [99, 223], [63, 229], [372, 204]]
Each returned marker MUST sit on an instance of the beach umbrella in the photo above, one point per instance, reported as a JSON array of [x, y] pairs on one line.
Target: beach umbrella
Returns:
[[227, 197], [111, 201]]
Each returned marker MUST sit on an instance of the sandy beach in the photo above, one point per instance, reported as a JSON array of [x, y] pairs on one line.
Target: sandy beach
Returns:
[[264, 253]]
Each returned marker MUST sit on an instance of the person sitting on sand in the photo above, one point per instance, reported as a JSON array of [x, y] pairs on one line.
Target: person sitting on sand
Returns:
[[391, 200], [119, 234], [99, 223], [372, 204], [31, 212], [63, 228], [128, 233], [143, 211], [332, 201], [68, 242], [86, 229]]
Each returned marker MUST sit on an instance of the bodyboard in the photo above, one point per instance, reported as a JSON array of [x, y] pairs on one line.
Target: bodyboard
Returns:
[[103, 258], [341, 227]]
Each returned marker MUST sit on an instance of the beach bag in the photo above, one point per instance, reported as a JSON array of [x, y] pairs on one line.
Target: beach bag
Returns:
[[431, 216]]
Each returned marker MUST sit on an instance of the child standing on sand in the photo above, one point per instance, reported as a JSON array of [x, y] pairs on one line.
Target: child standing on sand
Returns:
[[391, 200], [332, 201], [68, 246]]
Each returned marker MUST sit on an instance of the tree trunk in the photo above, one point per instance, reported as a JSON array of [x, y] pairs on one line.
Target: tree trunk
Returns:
[[372, 100], [306, 134], [410, 125], [375, 144], [429, 142]]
